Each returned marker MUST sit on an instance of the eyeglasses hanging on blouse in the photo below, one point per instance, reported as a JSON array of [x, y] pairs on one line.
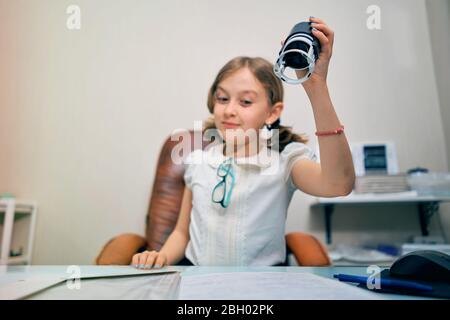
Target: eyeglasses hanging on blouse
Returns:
[[222, 191]]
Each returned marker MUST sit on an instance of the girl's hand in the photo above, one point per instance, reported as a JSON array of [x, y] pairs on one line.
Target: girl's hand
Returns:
[[149, 259], [326, 38], [325, 35]]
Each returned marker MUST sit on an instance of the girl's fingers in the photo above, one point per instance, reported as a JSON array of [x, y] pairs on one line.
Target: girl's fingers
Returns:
[[135, 260], [317, 20], [322, 38], [160, 261], [150, 260], [325, 43], [319, 24], [142, 259], [325, 29]]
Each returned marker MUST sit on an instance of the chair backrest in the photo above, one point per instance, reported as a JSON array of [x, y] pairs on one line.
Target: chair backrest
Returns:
[[167, 192]]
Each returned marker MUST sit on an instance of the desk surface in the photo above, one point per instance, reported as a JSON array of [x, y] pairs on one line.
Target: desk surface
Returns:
[[127, 279]]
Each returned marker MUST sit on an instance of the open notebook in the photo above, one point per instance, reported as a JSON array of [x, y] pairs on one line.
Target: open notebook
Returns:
[[269, 286]]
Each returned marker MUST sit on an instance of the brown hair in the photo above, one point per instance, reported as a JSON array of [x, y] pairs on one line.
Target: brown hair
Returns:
[[263, 71]]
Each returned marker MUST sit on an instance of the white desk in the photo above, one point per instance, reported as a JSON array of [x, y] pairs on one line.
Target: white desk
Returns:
[[427, 206], [138, 285]]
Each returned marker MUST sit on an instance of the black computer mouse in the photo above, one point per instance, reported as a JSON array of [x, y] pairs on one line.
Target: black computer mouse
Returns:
[[426, 265]]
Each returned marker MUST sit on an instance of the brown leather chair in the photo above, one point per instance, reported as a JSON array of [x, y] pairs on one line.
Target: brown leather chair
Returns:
[[165, 203]]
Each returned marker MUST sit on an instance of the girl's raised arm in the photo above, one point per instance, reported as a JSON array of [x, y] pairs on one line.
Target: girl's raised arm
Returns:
[[335, 175]]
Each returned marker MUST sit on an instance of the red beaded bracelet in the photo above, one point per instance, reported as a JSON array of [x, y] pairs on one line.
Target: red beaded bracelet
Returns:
[[328, 133]]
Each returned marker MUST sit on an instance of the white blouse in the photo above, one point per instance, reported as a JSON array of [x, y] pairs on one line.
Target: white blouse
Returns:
[[251, 230]]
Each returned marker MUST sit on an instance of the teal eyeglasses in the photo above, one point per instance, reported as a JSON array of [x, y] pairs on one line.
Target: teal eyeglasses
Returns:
[[222, 191]]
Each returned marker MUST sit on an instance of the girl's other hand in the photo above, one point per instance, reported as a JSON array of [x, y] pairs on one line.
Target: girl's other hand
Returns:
[[149, 259]]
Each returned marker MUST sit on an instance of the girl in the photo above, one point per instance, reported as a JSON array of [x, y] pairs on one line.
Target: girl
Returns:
[[234, 205]]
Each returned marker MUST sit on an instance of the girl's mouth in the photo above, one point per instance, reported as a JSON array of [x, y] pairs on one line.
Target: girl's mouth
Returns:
[[229, 125]]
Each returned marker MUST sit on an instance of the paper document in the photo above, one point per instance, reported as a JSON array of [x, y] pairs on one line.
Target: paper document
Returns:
[[163, 286], [20, 282], [269, 286]]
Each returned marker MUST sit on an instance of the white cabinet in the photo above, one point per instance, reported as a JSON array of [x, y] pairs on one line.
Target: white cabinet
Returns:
[[17, 225]]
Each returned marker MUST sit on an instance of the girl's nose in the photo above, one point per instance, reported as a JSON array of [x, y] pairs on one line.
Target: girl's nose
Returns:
[[230, 108]]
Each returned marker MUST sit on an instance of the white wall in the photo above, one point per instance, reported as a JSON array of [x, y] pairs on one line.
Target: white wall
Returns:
[[83, 113], [438, 14]]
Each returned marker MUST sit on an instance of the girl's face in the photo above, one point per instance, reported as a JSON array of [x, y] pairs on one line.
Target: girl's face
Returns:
[[241, 102]]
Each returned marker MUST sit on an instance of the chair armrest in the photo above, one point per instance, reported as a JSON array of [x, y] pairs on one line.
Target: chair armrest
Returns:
[[120, 250], [308, 251]]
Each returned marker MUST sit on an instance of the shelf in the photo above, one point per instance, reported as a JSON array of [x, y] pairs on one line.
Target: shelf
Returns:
[[21, 207], [17, 260], [12, 210], [427, 206], [17, 216], [381, 198], [22, 210]]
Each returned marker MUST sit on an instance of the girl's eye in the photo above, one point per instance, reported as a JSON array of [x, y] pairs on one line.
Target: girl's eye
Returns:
[[222, 99], [246, 102]]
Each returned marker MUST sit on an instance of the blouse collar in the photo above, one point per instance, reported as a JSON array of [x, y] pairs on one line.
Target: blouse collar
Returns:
[[263, 159]]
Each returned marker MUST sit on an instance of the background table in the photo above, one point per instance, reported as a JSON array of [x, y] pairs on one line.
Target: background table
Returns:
[[427, 206]]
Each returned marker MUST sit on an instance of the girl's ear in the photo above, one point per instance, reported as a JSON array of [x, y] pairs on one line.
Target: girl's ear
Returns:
[[275, 112]]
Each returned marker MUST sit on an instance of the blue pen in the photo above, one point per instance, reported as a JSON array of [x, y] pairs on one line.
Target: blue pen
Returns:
[[385, 283]]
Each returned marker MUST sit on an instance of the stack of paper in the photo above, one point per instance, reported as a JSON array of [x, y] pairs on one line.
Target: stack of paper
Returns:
[[381, 183], [358, 254]]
